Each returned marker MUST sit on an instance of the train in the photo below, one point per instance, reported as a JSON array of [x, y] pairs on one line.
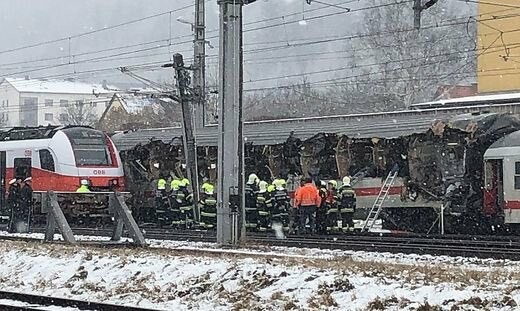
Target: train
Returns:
[[58, 158], [443, 151]]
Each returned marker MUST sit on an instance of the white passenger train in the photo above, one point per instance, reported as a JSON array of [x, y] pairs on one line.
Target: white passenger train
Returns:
[[58, 158]]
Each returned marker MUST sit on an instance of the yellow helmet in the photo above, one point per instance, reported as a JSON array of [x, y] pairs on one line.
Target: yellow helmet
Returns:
[[209, 189], [333, 183], [185, 182], [175, 184]]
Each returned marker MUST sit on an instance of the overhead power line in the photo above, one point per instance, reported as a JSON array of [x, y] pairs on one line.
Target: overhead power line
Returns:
[[87, 33]]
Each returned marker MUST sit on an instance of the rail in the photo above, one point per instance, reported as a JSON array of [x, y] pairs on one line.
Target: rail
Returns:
[[36, 302], [502, 247]]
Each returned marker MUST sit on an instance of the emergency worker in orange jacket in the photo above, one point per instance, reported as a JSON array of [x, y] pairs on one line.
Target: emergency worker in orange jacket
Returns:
[[307, 201]]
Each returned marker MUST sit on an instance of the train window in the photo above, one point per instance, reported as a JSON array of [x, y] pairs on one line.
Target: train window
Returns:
[[46, 160], [517, 175], [22, 167], [90, 147]]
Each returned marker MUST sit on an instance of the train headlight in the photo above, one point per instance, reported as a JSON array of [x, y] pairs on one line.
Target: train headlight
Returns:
[[114, 182]]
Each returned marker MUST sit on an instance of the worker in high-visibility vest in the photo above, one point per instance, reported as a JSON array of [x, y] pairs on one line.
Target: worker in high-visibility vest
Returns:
[[264, 205], [161, 200], [208, 207], [281, 204], [84, 186], [347, 205]]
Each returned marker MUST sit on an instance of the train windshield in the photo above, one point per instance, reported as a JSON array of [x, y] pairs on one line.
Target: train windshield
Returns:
[[90, 146]]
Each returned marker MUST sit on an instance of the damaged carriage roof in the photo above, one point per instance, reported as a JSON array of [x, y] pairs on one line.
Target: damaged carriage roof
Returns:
[[274, 132], [265, 134]]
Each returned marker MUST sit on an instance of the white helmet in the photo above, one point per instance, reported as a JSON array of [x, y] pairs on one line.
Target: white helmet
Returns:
[[346, 181], [262, 186], [253, 179]]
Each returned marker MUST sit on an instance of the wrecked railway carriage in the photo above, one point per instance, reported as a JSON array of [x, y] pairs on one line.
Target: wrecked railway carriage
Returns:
[[440, 159]]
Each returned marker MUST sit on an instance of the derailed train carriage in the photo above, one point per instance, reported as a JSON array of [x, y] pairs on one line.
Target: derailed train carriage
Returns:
[[440, 158]]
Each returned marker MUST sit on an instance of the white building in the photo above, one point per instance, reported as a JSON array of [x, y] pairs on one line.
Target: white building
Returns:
[[33, 102]]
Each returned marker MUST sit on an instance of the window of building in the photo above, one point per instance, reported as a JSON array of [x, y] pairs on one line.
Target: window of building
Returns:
[[49, 117], [64, 103], [30, 101], [64, 117], [46, 160], [6, 117], [517, 175], [93, 104], [3, 103], [49, 103], [7, 102]]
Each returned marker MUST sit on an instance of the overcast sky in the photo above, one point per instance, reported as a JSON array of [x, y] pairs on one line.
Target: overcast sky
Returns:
[[27, 22]]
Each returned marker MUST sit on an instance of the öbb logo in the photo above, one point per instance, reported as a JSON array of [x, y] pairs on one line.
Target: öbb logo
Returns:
[[99, 172]]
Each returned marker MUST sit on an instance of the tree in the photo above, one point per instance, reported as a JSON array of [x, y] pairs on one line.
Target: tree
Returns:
[[79, 113], [411, 64]]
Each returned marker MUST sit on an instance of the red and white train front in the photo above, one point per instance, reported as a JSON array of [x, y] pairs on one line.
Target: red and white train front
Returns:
[[60, 161]]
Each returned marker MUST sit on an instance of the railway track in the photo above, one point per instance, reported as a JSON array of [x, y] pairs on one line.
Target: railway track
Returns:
[[21, 301], [500, 247]]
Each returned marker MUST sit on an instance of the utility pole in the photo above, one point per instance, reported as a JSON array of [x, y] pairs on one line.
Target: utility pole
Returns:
[[186, 98], [230, 208], [199, 59]]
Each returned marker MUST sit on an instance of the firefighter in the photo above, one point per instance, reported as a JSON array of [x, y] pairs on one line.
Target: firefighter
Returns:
[[186, 203], [26, 204], [208, 207], [331, 206], [161, 199], [321, 211], [307, 201], [281, 202], [264, 205], [251, 191], [13, 201], [171, 212], [83, 187], [347, 205], [185, 182]]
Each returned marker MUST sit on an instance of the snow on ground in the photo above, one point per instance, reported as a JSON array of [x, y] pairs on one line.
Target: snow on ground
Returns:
[[198, 276]]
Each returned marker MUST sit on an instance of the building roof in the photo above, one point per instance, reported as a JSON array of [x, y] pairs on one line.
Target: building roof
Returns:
[[23, 85], [136, 104], [455, 91]]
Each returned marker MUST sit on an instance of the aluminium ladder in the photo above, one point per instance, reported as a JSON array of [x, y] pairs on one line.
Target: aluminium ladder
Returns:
[[381, 197]]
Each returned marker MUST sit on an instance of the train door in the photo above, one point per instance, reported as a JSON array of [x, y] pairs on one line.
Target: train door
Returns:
[[3, 181], [493, 187], [22, 168]]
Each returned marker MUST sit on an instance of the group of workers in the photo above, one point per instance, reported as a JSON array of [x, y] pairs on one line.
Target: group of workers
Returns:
[[322, 209], [173, 207], [314, 209], [20, 203]]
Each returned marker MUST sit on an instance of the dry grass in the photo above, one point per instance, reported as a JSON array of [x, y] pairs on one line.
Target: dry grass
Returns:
[[385, 272]]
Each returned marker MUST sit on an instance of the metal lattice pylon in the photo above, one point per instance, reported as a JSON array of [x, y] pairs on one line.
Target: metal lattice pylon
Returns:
[[373, 215]]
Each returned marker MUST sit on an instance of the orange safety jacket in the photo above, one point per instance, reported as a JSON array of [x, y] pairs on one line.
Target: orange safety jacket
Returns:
[[308, 195]]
